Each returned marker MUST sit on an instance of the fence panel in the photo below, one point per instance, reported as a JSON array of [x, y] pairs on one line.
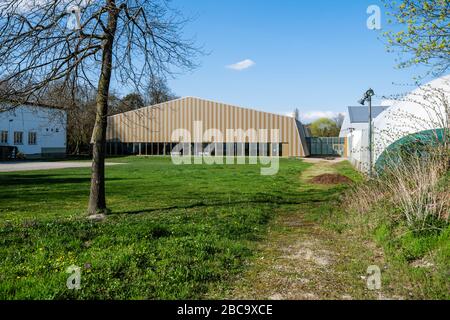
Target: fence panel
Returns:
[[326, 146]]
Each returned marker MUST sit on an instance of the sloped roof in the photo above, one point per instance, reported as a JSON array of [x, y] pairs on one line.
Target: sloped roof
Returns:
[[361, 114], [159, 105], [17, 103]]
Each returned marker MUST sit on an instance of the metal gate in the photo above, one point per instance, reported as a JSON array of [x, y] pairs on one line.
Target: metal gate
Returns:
[[326, 146]]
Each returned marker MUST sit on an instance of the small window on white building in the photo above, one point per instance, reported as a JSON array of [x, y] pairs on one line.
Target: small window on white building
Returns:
[[18, 137], [32, 138], [4, 137]]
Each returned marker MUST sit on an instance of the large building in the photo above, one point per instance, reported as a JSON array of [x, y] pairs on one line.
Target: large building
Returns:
[[33, 130], [151, 130]]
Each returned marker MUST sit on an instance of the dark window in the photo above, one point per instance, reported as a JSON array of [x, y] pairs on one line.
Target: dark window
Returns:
[[4, 137], [18, 137], [32, 138]]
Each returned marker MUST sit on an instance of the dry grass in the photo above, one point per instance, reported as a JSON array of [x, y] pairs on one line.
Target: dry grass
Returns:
[[409, 189]]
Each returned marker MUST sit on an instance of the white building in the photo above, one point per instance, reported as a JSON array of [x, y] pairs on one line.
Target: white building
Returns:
[[421, 115], [356, 129], [36, 130]]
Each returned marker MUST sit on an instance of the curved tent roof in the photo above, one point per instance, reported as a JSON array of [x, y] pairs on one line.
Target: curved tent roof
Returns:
[[422, 110]]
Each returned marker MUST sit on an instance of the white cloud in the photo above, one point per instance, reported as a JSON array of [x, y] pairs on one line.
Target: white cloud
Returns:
[[310, 116], [242, 65]]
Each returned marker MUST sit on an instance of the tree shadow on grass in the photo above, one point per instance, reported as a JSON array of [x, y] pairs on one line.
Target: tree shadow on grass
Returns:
[[312, 197]]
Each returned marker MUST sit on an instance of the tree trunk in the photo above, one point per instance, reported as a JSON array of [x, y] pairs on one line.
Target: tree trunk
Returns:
[[97, 199]]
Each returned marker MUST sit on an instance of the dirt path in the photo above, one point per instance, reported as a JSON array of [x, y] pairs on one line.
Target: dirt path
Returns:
[[301, 259], [50, 165]]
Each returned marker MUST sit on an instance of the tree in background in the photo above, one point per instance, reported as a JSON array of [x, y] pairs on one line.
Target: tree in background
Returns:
[[131, 101], [158, 91], [324, 127], [80, 107], [339, 120], [82, 42], [423, 32]]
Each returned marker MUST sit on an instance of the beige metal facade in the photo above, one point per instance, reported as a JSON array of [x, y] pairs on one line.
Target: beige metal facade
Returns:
[[155, 124]]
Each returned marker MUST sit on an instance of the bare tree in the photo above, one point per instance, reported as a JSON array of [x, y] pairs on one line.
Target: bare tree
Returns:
[[132, 101], [78, 42], [339, 120], [80, 107], [158, 91]]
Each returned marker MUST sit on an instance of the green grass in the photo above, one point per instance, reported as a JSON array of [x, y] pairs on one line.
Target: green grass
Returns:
[[417, 263], [175, 232], [190, 232]]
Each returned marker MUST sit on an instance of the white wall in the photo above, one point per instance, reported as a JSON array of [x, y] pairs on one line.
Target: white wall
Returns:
[[49, 125], [357, 146]]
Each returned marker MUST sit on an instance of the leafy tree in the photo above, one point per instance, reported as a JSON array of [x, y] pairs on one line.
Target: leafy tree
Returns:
[[324, 127], [422, 32]]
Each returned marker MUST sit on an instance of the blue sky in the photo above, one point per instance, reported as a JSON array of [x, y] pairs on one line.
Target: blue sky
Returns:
[[317, 56]]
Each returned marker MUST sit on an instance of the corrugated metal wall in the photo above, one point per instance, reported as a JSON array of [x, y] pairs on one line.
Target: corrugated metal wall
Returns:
[[157, 123]]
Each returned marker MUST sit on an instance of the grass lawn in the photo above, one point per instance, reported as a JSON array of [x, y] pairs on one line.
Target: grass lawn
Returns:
[[175, 232]]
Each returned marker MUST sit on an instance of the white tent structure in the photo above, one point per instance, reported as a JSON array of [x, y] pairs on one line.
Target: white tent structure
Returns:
[[424, 111]]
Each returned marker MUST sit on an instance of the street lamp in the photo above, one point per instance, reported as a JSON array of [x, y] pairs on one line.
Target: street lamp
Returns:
[[368, 98]]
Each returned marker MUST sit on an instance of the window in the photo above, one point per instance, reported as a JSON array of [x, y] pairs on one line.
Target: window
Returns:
[[32, 138], [4, 137], [18, 137]]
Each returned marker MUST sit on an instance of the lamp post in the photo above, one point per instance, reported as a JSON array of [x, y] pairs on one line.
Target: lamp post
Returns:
[[368, 98]]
